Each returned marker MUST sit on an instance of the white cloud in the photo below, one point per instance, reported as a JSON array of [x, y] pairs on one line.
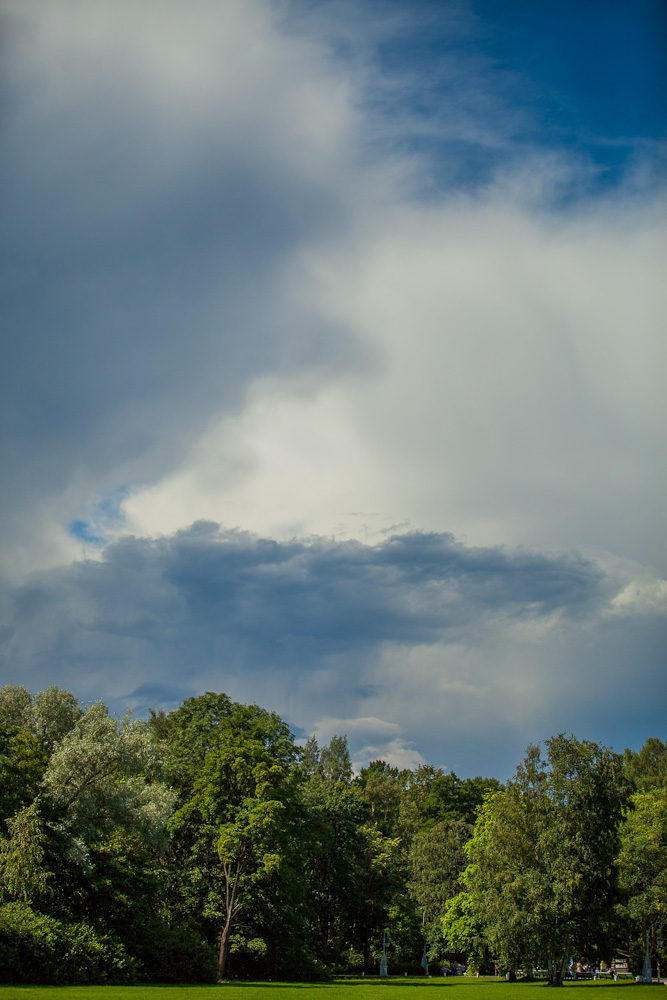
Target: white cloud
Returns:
[[370, 739], [513, 395], [320, 344], [643, 596]]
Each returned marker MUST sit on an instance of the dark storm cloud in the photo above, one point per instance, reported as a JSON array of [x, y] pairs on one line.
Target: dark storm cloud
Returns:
[[459, 655], [205, 596]]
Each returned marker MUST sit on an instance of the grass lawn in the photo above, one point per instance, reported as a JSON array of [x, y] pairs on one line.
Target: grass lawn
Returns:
[[463, 988]]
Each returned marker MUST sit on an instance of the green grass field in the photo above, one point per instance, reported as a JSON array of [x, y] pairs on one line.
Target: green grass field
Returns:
[[356, 989]]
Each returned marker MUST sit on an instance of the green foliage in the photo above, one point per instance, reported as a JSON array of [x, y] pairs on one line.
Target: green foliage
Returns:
[[383, 789], [643, 867], [334, 861], [432, 796], [277, 863], [310, 757], [47, 716], [648, 768], [191, 732], [100, 777], [437, 858], [23, 875], [22, 764], [16, 706], [543, 879], [231, 826], [159, 724], [173, 954], [126, 884], [35, 948], [460, 928], [86, 848], [334, 764], [55, 713]]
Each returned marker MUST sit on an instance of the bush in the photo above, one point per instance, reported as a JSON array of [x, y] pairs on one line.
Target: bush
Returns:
[[35, 948], [174, 955], [298, 964]]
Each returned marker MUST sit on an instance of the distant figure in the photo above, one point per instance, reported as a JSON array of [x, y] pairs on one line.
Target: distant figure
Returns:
[[445, 970]]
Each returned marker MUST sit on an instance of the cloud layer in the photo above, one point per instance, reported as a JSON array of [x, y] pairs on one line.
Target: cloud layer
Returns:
[[318, 628]]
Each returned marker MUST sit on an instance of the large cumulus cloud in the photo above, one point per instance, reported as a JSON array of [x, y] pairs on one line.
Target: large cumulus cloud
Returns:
[[337, 275]]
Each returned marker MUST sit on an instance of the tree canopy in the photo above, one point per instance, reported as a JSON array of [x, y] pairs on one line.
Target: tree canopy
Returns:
[[543, 877], [204, 842]]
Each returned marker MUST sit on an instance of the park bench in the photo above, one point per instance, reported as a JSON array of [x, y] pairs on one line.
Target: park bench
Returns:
[[620, 969]]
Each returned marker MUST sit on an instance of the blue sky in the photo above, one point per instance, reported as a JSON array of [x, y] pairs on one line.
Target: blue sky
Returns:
[[334, 365]]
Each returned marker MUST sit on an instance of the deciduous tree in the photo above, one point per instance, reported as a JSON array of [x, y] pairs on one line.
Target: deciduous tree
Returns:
[[543, 876], [437, 858], [232, 821], [643, 863]]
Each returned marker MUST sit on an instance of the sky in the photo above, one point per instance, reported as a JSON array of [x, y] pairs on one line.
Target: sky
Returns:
[[333, 365]]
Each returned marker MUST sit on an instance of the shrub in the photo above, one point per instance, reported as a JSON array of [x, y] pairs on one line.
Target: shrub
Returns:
[[35, 948], [174, 955]]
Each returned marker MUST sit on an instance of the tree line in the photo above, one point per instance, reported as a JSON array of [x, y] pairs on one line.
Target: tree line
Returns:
[[204, 843]]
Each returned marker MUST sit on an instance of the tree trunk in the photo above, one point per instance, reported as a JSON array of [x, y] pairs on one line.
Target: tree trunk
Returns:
[[231, 887], [224, 949], [556, 973]]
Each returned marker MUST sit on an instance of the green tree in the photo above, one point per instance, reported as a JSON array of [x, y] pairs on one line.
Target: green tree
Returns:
[[464, 932], [23, 875], [648, 768], [232, 824], [384, 881], [48, 716], [334, 763], [22, 764], [543, 876], [16, 706], [87, 849], [437, 859], [38, 948], [383, 787], [103, 775], [55, 712], [310, 757], [643, 864], [334, 867], [190, 732], [354, 870], [431, 795]]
